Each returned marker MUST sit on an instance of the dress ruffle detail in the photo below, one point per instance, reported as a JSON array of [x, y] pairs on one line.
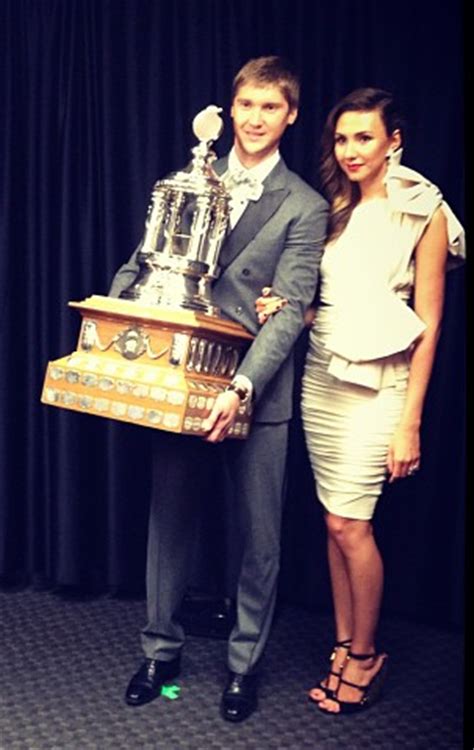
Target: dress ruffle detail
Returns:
[[410, 192], [365, 334], [374, 375]]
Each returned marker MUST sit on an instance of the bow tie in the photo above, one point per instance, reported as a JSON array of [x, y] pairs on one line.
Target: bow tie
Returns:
[[239, 182]]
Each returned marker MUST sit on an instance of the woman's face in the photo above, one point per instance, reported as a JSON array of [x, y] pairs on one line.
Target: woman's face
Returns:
[[361, 146]]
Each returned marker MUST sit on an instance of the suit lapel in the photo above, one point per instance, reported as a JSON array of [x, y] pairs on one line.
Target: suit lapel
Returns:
[[256, 214]]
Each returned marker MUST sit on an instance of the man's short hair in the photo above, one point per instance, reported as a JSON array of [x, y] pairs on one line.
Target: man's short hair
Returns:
[[271, 70]]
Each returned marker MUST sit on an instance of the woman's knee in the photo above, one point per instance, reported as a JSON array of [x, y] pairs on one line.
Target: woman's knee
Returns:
[[347, 532]]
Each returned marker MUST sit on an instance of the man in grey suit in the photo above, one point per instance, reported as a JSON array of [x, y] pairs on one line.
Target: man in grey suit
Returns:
[[278, 227]]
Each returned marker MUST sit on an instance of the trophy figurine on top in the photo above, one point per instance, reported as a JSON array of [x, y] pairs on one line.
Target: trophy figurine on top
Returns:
[[159, 354]]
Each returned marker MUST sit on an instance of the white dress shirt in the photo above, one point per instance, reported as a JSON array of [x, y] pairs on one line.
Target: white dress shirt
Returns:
[[239, 201]]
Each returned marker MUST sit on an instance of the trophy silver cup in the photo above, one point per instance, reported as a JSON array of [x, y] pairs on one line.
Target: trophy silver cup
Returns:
[[185, 227], [160, 354]]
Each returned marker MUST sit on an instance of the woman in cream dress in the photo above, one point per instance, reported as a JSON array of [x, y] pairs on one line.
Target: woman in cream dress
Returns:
[[371, 350]]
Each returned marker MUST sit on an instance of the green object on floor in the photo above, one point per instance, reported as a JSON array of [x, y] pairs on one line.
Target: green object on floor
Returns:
[[170, 691]]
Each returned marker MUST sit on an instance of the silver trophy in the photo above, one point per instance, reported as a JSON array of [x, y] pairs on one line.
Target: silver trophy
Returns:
[[160, 355], [186, 224]]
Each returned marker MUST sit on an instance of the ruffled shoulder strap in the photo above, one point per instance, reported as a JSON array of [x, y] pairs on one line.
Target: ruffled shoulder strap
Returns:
[[410, 192]]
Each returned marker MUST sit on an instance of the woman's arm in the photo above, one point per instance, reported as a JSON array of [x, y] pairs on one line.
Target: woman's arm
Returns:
[[430, 272]]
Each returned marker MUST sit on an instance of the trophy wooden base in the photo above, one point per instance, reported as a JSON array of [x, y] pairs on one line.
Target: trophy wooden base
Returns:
[[155, 367]]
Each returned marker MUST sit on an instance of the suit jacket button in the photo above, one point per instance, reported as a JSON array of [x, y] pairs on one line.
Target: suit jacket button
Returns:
[[245, 272], [238, 310]]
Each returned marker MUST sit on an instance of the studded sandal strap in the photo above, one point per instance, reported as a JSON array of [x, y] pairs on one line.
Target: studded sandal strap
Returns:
[[340, 644], [362, 657], [343, 644]]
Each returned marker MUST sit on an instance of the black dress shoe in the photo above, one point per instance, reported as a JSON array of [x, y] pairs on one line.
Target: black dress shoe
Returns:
[[239, 698], [146, 684]]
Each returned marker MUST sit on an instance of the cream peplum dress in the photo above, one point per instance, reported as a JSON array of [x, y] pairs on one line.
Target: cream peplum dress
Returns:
[[358, 359]]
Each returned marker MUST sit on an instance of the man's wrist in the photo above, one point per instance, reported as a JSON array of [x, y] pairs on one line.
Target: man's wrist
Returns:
[[242, 386]]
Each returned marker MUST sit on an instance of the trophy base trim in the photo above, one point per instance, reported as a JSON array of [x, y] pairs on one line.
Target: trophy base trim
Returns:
[[189, 320]]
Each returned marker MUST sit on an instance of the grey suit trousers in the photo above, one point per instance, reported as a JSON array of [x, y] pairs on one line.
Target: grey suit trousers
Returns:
[[254, 471]]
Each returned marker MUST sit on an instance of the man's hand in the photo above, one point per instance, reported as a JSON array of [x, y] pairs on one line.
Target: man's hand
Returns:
[[222, 416]]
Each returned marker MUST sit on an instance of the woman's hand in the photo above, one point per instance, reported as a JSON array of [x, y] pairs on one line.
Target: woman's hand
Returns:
[[404, 453], [268, 304], [309, 316]]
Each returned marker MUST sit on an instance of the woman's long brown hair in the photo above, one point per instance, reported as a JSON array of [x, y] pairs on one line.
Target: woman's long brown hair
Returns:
[[342, 194]]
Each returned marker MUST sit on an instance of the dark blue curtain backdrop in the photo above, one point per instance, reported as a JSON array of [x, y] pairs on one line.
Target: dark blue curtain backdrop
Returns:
[[97, 100]]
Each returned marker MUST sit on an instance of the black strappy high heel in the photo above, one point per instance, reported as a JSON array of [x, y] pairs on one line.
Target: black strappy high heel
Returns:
[[370, 692], [328, 691]]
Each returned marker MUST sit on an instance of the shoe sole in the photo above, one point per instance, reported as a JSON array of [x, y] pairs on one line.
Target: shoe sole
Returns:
[[235, 719]]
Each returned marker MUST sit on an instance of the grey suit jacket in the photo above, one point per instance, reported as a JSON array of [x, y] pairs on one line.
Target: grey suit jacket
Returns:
[[277, 242]]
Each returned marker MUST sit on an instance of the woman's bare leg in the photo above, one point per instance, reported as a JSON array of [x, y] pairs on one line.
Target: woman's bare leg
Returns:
[[355, 541], [342, 602]]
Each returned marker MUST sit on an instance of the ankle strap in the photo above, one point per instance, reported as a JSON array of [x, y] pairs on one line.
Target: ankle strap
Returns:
[[361, 657], [343, 644]]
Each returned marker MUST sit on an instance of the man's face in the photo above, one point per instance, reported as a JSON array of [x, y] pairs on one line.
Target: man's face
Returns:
[[261, 115]]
